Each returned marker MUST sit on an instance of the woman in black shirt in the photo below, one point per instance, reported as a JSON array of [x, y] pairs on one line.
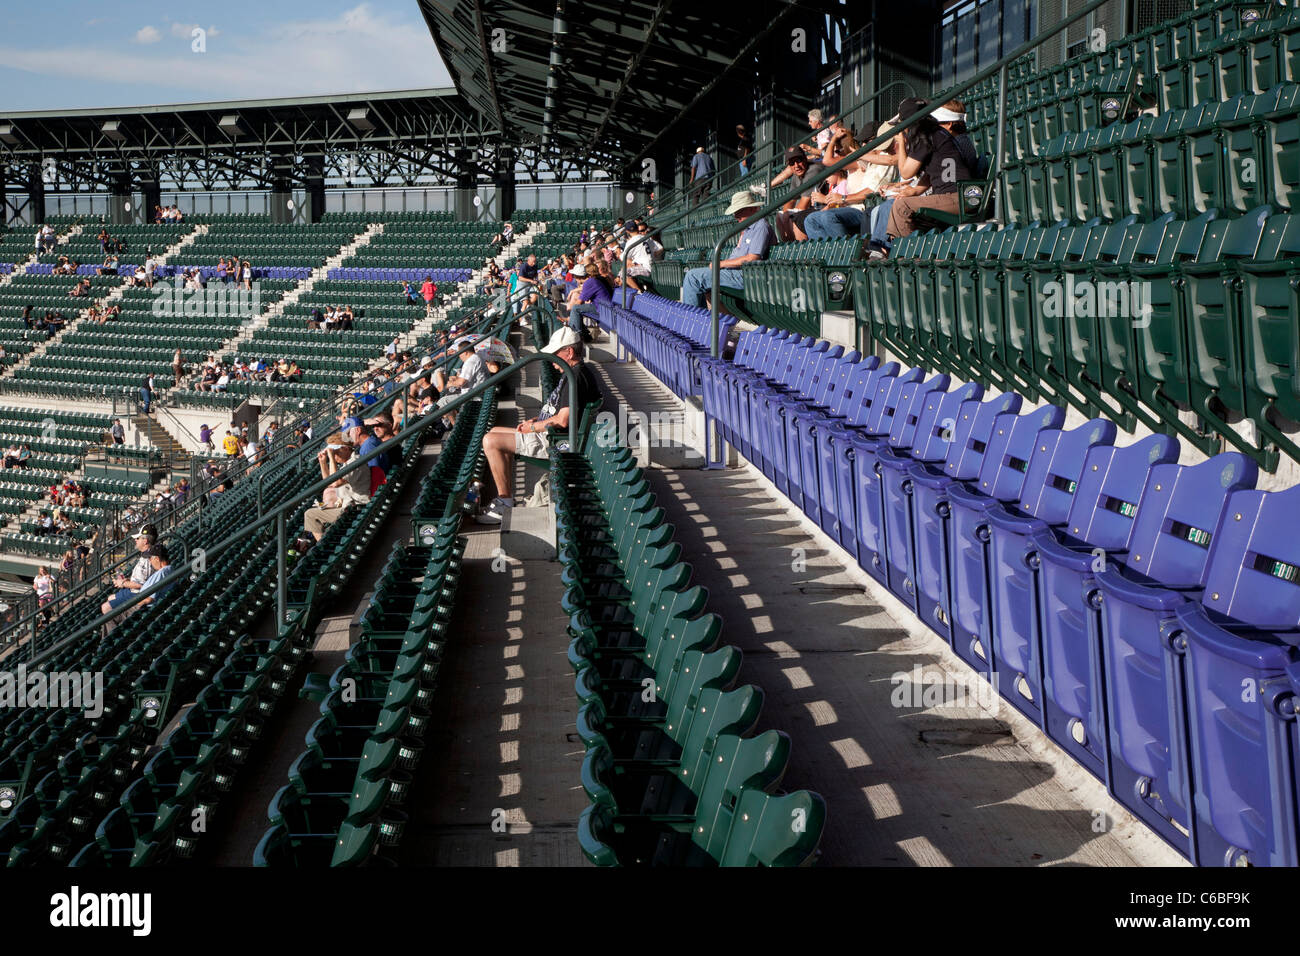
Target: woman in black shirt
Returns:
[[941, 160]]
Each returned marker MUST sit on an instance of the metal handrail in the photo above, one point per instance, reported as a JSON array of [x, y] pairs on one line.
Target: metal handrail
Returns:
[[278, 514], [195, 507], [777, 161], [825, 172]]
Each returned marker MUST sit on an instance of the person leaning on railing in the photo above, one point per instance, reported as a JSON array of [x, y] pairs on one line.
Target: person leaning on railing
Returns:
[[941, 160]]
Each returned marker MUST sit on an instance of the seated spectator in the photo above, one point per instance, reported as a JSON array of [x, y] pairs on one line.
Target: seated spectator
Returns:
[[641, 255], [473, 371], [109, 266], [81, 290], [753, 246], [159, 568], [365, 440], [25, 456], [504, 237], [789, 220], [502, 443], [938, 157], [597, 287], [840, 144], [817, 123], [844, 211], [352, 488]]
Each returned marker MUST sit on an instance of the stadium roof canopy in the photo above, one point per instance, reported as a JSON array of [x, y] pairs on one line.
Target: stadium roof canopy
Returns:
[[296, 124], [602, 77]]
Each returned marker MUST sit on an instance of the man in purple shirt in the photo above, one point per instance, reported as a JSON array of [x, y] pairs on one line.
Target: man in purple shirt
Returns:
[[597, 287]]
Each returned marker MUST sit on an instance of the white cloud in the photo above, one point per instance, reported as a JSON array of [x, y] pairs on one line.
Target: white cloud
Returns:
[[356, 51]]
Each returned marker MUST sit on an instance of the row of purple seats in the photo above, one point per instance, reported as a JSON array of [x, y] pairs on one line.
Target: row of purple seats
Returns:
[[399, 275], [1145, 614], [210, 272], [668, 337]]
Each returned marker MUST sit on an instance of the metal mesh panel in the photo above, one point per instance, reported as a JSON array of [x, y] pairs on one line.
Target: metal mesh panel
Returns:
[[1147, 13], [1074, 40]]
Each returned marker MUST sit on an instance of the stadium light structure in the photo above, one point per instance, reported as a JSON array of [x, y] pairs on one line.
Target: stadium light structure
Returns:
[[359, 120], [232, 125], [113, 130], [7, 134]]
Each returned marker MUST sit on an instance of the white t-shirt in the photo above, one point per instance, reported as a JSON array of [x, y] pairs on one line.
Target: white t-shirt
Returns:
[[473, 370]]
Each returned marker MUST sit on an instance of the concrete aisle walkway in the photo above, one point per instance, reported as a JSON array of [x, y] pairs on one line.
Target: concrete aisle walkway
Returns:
[[499, 784], [905, 785]]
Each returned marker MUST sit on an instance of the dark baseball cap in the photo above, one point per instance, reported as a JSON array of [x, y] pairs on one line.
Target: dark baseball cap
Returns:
[[909, 108], [158, 551], [794, 155]]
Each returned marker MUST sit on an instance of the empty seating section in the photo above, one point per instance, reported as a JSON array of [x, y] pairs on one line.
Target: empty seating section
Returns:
[[1141, 320], [418, 245], [266, 245], [672, 776], [1117, 598], [346, 789], [667, 336]]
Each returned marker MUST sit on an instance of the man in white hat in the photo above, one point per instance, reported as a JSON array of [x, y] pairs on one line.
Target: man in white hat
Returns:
[[502, 444], [701, 173], [753, 246]]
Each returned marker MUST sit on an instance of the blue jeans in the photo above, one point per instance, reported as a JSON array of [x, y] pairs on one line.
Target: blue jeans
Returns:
[[576, 312], [833, 223], [699, 281], [880, 223]]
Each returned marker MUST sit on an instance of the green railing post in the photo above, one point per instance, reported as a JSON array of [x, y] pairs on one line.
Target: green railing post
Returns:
[[824, 172]]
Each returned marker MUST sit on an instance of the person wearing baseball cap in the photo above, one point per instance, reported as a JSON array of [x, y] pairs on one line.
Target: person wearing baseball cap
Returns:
[[753, 246], [473, 371], [936, 155], [145, 540], [503, 443], [789, 220], [701, 173]]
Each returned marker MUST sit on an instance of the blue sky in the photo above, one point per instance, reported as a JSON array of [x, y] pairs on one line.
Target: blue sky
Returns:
[[64, 55]]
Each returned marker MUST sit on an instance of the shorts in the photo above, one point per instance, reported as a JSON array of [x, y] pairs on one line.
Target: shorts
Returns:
[[532, 445]]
